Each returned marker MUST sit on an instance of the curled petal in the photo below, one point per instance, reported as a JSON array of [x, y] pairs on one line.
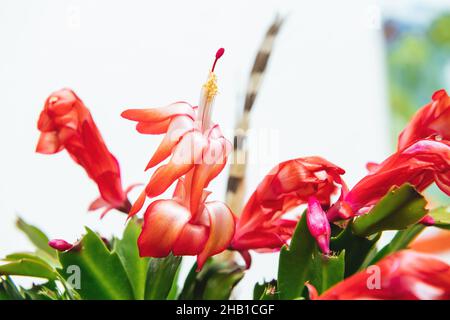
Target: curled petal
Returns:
[[48, 143], [191, 240], [431, 120], [213, 161], [221, 231], [185, 155], [422, 163], [159, 114], [61, 102], [138, 204], [153, 127], [45, 123], [263, 224], [164, 221], [179, 126], [405, 275]]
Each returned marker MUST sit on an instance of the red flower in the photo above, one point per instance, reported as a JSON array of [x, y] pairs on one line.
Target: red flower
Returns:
[[423, 157], [263, 224], [421, 164], [187, 224], [66, 123], [432, 120], [405, 275]]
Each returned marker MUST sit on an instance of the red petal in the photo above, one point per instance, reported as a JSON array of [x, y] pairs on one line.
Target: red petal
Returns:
[[179, 126], [191, 240], [97, 204], [214, 159], [159, 114], [221, 231], [45, 123], [48, 143], [153, 127], [163, 222], [401, 276], [110, 187], [186, 154], [137, 206]]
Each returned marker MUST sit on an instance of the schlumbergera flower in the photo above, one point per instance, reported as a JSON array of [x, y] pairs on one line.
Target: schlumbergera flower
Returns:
[[405, 275], [422, 158], [264, 224], [186, 224], [432, 120], [66, 123]]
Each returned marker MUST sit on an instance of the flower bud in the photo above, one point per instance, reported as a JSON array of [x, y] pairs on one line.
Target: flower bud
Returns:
[[318, 224], [60, 245]]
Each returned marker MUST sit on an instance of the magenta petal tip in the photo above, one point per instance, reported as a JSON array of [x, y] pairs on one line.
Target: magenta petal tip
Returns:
[[60, 245], [428, 220]]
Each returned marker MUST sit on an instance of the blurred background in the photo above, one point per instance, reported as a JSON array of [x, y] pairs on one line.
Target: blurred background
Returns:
[[343, 79]]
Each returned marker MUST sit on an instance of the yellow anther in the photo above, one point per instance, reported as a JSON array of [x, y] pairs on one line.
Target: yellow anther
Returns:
[[211, 86]]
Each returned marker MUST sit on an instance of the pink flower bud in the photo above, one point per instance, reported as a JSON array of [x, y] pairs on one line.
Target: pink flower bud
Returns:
[[60, 245], [318, 224], [427, 220]]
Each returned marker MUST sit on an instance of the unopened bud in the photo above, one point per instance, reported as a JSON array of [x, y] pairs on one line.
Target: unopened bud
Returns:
[[60, 245]]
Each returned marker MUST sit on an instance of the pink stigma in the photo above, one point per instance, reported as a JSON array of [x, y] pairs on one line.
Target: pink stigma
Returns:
[[219, 54]]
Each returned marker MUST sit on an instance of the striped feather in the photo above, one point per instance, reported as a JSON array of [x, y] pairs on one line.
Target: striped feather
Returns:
[[236, 181]]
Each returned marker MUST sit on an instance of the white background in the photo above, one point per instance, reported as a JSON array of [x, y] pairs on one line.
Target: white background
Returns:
[[324, 93]]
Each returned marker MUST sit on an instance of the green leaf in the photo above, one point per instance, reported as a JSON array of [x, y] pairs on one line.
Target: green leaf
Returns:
[[441, 217], [102, 275], [173, 293], [128, 252], [295, 262], [356, 248], [398, 209], [400, 241], [160, 277], [46, 291], [214, 282], [39, 255], [221, 280], [327, 270], [266, 291], [8, 290], [27, 267], [36, 236]]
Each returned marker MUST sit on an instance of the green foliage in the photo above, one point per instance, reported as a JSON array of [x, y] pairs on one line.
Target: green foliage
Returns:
[[295, 262], [397, 210], [326, 271], [441, 217], [215, 281], [161, 276], [266, 291], [27, 267], [102, 275], [400, 241], [128, 252], [303, 262], [8, 290], [36, 236], [356, 248], [120, 273]]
